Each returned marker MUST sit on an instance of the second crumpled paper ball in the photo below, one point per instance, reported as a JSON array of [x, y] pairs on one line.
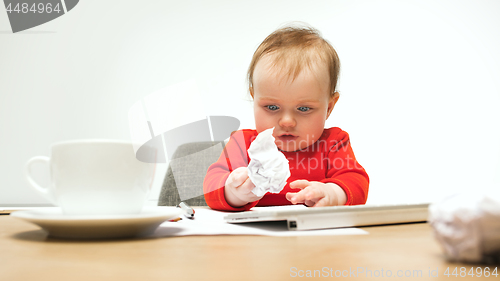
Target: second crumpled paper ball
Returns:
[[468, 227], [268, 168]]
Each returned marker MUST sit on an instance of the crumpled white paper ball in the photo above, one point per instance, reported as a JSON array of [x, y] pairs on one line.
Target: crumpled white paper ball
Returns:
[[268, 168], [468, 227]]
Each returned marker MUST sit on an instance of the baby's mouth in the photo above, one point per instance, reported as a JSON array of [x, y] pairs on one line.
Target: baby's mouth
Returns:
[[287, 137]]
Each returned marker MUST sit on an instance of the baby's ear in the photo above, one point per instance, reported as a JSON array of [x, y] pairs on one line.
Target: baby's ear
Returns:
[[331, 103]]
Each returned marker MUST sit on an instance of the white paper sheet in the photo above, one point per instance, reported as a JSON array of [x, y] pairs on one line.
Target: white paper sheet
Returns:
[[210, 222]]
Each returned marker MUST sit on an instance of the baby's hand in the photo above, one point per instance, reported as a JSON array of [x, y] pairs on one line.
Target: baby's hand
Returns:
[[238, 188], [316, 194]]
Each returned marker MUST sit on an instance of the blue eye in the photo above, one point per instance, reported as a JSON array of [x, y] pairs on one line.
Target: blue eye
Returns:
[[272, 107], [304, 108]]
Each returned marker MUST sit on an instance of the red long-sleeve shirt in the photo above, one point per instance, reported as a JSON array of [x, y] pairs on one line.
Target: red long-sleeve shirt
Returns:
[[329, 159]]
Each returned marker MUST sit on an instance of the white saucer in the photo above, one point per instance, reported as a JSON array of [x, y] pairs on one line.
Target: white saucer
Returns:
[[59, 225]]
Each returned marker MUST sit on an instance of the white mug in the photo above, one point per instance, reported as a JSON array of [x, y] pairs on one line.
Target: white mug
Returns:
[[96, 177]]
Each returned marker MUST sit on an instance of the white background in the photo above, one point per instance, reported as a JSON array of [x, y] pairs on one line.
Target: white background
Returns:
[[419, 82]]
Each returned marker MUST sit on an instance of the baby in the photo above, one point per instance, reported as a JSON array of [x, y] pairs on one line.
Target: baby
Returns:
[[292, 80]]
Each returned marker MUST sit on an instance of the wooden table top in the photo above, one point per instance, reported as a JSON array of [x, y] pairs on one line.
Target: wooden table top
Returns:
[[26, 253]]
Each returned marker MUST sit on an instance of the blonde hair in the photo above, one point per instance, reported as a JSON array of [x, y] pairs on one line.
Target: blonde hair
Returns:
[[293, 48]]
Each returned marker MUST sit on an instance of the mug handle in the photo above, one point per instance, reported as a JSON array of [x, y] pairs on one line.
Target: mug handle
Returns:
[[42, 190]]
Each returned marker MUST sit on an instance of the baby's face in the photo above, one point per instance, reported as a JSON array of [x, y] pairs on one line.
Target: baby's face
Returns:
[[297, 109]]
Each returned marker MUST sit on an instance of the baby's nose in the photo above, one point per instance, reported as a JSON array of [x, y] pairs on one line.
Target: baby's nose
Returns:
[[287, 121]]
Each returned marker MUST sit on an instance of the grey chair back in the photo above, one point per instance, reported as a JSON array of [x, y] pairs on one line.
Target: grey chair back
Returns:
[[186, 172]]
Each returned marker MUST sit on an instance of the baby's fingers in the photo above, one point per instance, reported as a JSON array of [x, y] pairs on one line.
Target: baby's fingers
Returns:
[[237, 177], [299, 184], [322, 203], [245, 191], [297, 198], [290, 195], [314, 194], [247, 186]]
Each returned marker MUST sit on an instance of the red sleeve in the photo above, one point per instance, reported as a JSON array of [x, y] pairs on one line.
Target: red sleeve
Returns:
[[233, 156], [345, 171]]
